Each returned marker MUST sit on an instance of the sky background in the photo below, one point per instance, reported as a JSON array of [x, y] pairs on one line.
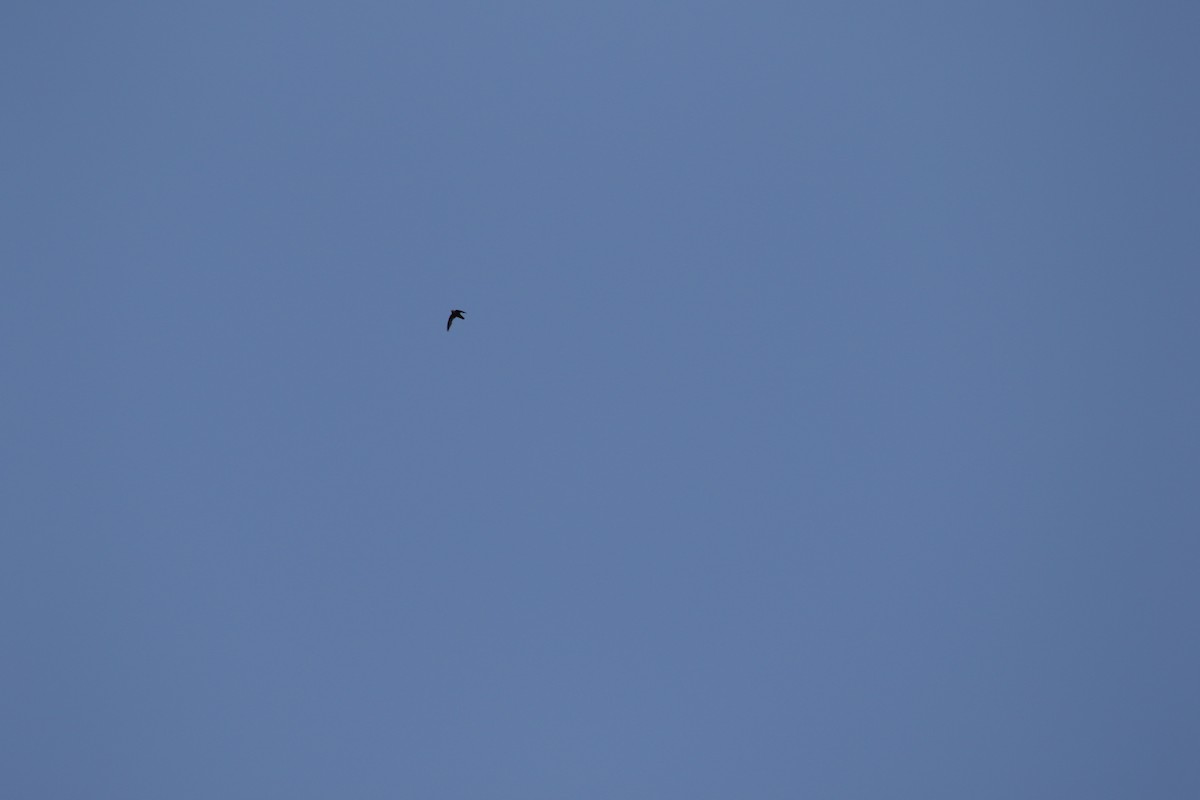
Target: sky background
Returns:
[[823, 423]]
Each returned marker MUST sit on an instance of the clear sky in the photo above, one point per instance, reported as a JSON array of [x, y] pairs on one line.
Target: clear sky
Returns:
[[823, 422]]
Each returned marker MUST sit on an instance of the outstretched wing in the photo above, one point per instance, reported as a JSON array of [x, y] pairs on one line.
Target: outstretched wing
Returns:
[[450, 321]]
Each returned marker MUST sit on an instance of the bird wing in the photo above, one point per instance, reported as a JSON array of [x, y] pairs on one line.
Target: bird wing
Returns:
[[450, 321]]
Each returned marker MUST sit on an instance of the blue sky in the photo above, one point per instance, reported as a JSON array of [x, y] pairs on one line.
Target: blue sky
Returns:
[[823, 423]]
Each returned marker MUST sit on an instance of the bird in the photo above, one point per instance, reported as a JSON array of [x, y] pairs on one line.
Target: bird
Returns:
[[455, 314]]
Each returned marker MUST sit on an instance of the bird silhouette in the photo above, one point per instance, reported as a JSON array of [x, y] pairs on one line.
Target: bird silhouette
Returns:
[[455, 314]]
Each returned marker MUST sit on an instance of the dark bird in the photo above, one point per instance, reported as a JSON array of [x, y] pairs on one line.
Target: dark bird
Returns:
[[455, 314]]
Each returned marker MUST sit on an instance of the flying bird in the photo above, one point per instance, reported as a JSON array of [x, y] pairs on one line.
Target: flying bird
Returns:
[[455, 314]]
